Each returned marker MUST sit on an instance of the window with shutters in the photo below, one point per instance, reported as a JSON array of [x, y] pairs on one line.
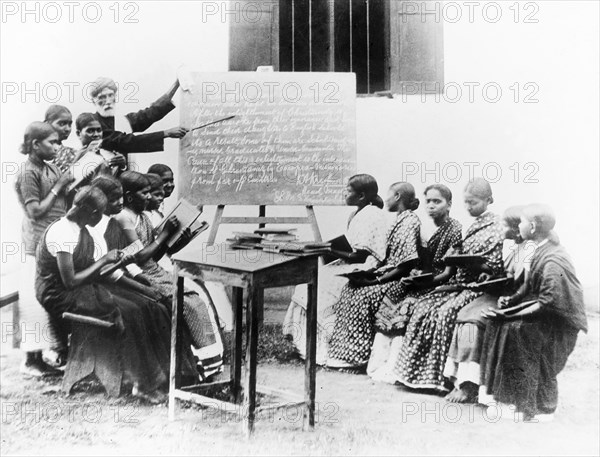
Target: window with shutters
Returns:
[[391, 45]]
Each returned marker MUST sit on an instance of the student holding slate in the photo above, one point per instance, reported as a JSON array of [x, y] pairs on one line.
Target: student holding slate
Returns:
[[41, 190], [190, 226], [366, 235], [527, 344], [423, 353], [396, 309], [354, 331], [138, 228], [68, 281], [462, 365]]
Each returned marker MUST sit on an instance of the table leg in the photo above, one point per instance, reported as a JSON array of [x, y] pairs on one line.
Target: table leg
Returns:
[[255, 303], [16, 316], [176, 323], [236, 344], [310, 365]]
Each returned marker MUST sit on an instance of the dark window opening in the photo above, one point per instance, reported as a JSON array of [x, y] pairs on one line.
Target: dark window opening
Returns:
[[388, 46]]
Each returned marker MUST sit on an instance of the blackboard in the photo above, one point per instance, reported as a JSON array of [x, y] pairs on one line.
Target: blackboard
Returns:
[[292, 141]]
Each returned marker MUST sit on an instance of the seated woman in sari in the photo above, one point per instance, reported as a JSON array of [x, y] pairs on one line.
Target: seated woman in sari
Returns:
[[527, 345], [68, 281], [429, 331], [209, 291], [137, 229], [394, 312], [366, 234], [108, 234], [354, 330], [462, 365]]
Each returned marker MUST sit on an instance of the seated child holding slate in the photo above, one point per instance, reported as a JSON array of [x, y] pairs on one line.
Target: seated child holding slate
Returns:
[[462, 365], [354, 330], [527, 345], [365, 233], [68, 281], [137, 227], [395, 310], [423, 353], [224, 312]]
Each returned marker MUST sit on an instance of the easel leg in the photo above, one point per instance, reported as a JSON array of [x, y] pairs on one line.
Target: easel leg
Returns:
[[215, 225], [310, 212], [256, 300], [310, 366], [236, 344], [262, 212], [175, 365]]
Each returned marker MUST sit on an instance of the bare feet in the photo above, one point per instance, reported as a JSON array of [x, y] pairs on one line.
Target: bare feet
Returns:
[[466, 393], [34, 366], [456, 396], [154, 398]]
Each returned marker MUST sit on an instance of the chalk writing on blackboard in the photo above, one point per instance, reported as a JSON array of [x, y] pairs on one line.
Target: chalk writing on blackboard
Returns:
[[293, 144]]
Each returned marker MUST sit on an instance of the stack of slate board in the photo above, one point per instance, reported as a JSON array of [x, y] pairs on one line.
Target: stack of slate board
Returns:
[[278, 240]]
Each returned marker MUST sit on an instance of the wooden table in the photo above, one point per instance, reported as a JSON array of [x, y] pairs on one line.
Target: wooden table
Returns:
[[254, 271]]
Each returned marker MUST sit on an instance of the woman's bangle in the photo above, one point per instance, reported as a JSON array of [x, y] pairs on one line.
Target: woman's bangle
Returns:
[[53, 191]]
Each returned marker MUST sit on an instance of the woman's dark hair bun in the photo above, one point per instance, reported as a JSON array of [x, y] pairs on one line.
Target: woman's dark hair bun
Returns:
[[377, 201], [414, 204]]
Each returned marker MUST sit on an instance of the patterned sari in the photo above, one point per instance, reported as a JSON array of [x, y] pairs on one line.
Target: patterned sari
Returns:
[[395, 312], [355, 310], [366, 231], [429, 332]]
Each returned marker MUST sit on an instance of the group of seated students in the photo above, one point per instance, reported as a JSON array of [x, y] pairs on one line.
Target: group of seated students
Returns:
[[445, 333], [499, 345], [70, 235]]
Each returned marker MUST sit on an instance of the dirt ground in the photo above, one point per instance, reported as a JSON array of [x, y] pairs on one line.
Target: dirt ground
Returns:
[[354, 416]]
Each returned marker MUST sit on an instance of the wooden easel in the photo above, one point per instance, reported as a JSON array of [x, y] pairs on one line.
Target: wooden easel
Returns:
[[262, 219]]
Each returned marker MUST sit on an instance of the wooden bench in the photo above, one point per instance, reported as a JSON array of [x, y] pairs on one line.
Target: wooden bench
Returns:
[[8, 299], [92, 350]]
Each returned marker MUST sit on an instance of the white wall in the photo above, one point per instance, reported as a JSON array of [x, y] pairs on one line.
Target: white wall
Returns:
[[559, 134]]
